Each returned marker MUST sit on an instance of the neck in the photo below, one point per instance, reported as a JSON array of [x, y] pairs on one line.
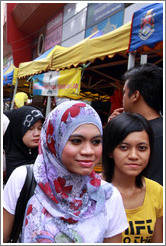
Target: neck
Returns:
[[124, 182], [148, 112]]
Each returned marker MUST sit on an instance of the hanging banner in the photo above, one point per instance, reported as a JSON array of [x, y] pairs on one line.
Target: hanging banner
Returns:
[[147, 27], [63, 83]]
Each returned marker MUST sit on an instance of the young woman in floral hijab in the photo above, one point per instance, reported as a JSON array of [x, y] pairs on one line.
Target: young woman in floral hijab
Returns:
[[71, 204]]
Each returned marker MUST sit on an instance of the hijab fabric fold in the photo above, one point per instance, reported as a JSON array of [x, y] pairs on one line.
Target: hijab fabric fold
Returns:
[[63, 197]]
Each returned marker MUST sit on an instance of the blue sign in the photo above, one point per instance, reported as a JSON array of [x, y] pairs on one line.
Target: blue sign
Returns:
[[147, 26], [8, 78], [107, 25], [100, 11]]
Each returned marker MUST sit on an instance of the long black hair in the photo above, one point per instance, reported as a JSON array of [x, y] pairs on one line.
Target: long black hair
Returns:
[[115, 131]]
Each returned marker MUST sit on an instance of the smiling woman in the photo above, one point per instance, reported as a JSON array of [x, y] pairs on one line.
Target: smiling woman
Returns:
[[71, 204], [83, 149]]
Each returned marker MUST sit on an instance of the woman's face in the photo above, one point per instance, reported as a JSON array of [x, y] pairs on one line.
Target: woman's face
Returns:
[[31, 137], [83, 150], [131, 156]]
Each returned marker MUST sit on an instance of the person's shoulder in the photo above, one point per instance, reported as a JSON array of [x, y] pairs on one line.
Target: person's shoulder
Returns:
[[21, 170], [5, 123], [18, 175], [153, 185], [115, 191], [157, 126], [157, 121], [8, 113]]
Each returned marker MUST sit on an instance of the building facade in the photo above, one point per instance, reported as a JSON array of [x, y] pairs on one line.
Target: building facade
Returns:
[[30, 29]]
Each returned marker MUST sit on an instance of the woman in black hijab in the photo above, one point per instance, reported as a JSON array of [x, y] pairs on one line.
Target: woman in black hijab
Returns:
[[21, 138]]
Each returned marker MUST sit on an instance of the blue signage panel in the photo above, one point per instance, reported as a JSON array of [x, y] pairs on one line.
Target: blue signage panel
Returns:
[[147, 26], [99, 11], [107, 25]]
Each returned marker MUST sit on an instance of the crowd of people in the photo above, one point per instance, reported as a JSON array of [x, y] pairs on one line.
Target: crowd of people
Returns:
[[70, 202]]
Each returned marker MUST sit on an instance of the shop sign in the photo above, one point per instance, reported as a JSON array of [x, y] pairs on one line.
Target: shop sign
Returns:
[[57, 83], [99, 11], [107, 25], [53, 34]]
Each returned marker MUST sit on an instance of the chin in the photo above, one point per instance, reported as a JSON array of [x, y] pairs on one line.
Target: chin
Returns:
[[34, 146], [84, 172]]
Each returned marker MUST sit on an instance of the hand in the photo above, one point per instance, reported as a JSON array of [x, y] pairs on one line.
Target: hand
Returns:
[[115, 112]]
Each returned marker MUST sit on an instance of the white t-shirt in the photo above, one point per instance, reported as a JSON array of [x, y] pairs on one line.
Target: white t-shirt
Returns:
[[13, 188], [115, 216], [6, 122]]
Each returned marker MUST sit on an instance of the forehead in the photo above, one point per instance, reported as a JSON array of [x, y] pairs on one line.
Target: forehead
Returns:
[[87, 129], [137, 137], [126, 84]]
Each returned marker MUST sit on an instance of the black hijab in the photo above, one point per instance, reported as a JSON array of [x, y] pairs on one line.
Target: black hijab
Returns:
[[17, 153]]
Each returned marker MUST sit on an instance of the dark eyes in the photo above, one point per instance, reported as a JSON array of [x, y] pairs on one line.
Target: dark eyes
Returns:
[[126, 147], [96, 141], [142, 148], [123, 147], [32, 128], [76, 141]]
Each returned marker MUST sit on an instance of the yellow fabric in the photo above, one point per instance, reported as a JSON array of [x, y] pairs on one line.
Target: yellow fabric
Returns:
[[37, 66], [142, 220], [86, 50], [69, 82], [90, 49], [20, 98], [15, 73], [10, 69], [90, 96]]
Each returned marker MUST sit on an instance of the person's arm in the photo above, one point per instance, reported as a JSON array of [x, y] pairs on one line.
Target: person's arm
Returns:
[[158, 231], [11, 194], [115, 239], [8, 221]]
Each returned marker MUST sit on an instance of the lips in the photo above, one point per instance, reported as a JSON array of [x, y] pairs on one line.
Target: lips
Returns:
[[85, 163], [36, 140], [133, 165]]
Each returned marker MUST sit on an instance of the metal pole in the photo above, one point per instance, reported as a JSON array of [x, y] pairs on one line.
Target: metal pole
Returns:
[[131, 61], [144, 59], [48, 108], [11, 95], [15, 89]]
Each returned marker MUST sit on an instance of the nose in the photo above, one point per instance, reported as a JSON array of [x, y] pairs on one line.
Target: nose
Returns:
[[133, 154], [87, 149], [37, 132]]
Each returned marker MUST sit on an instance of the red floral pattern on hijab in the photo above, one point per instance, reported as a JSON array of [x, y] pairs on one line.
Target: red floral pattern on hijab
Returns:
[[74, 111], [49, 137]]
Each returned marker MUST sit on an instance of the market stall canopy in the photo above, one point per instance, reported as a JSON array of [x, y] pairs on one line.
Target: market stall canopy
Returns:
[[10, 75], [41, 64], [86, 50]]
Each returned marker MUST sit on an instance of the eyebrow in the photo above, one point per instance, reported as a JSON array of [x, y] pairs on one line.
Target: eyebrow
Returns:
[[138, 143], [81, 136]]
